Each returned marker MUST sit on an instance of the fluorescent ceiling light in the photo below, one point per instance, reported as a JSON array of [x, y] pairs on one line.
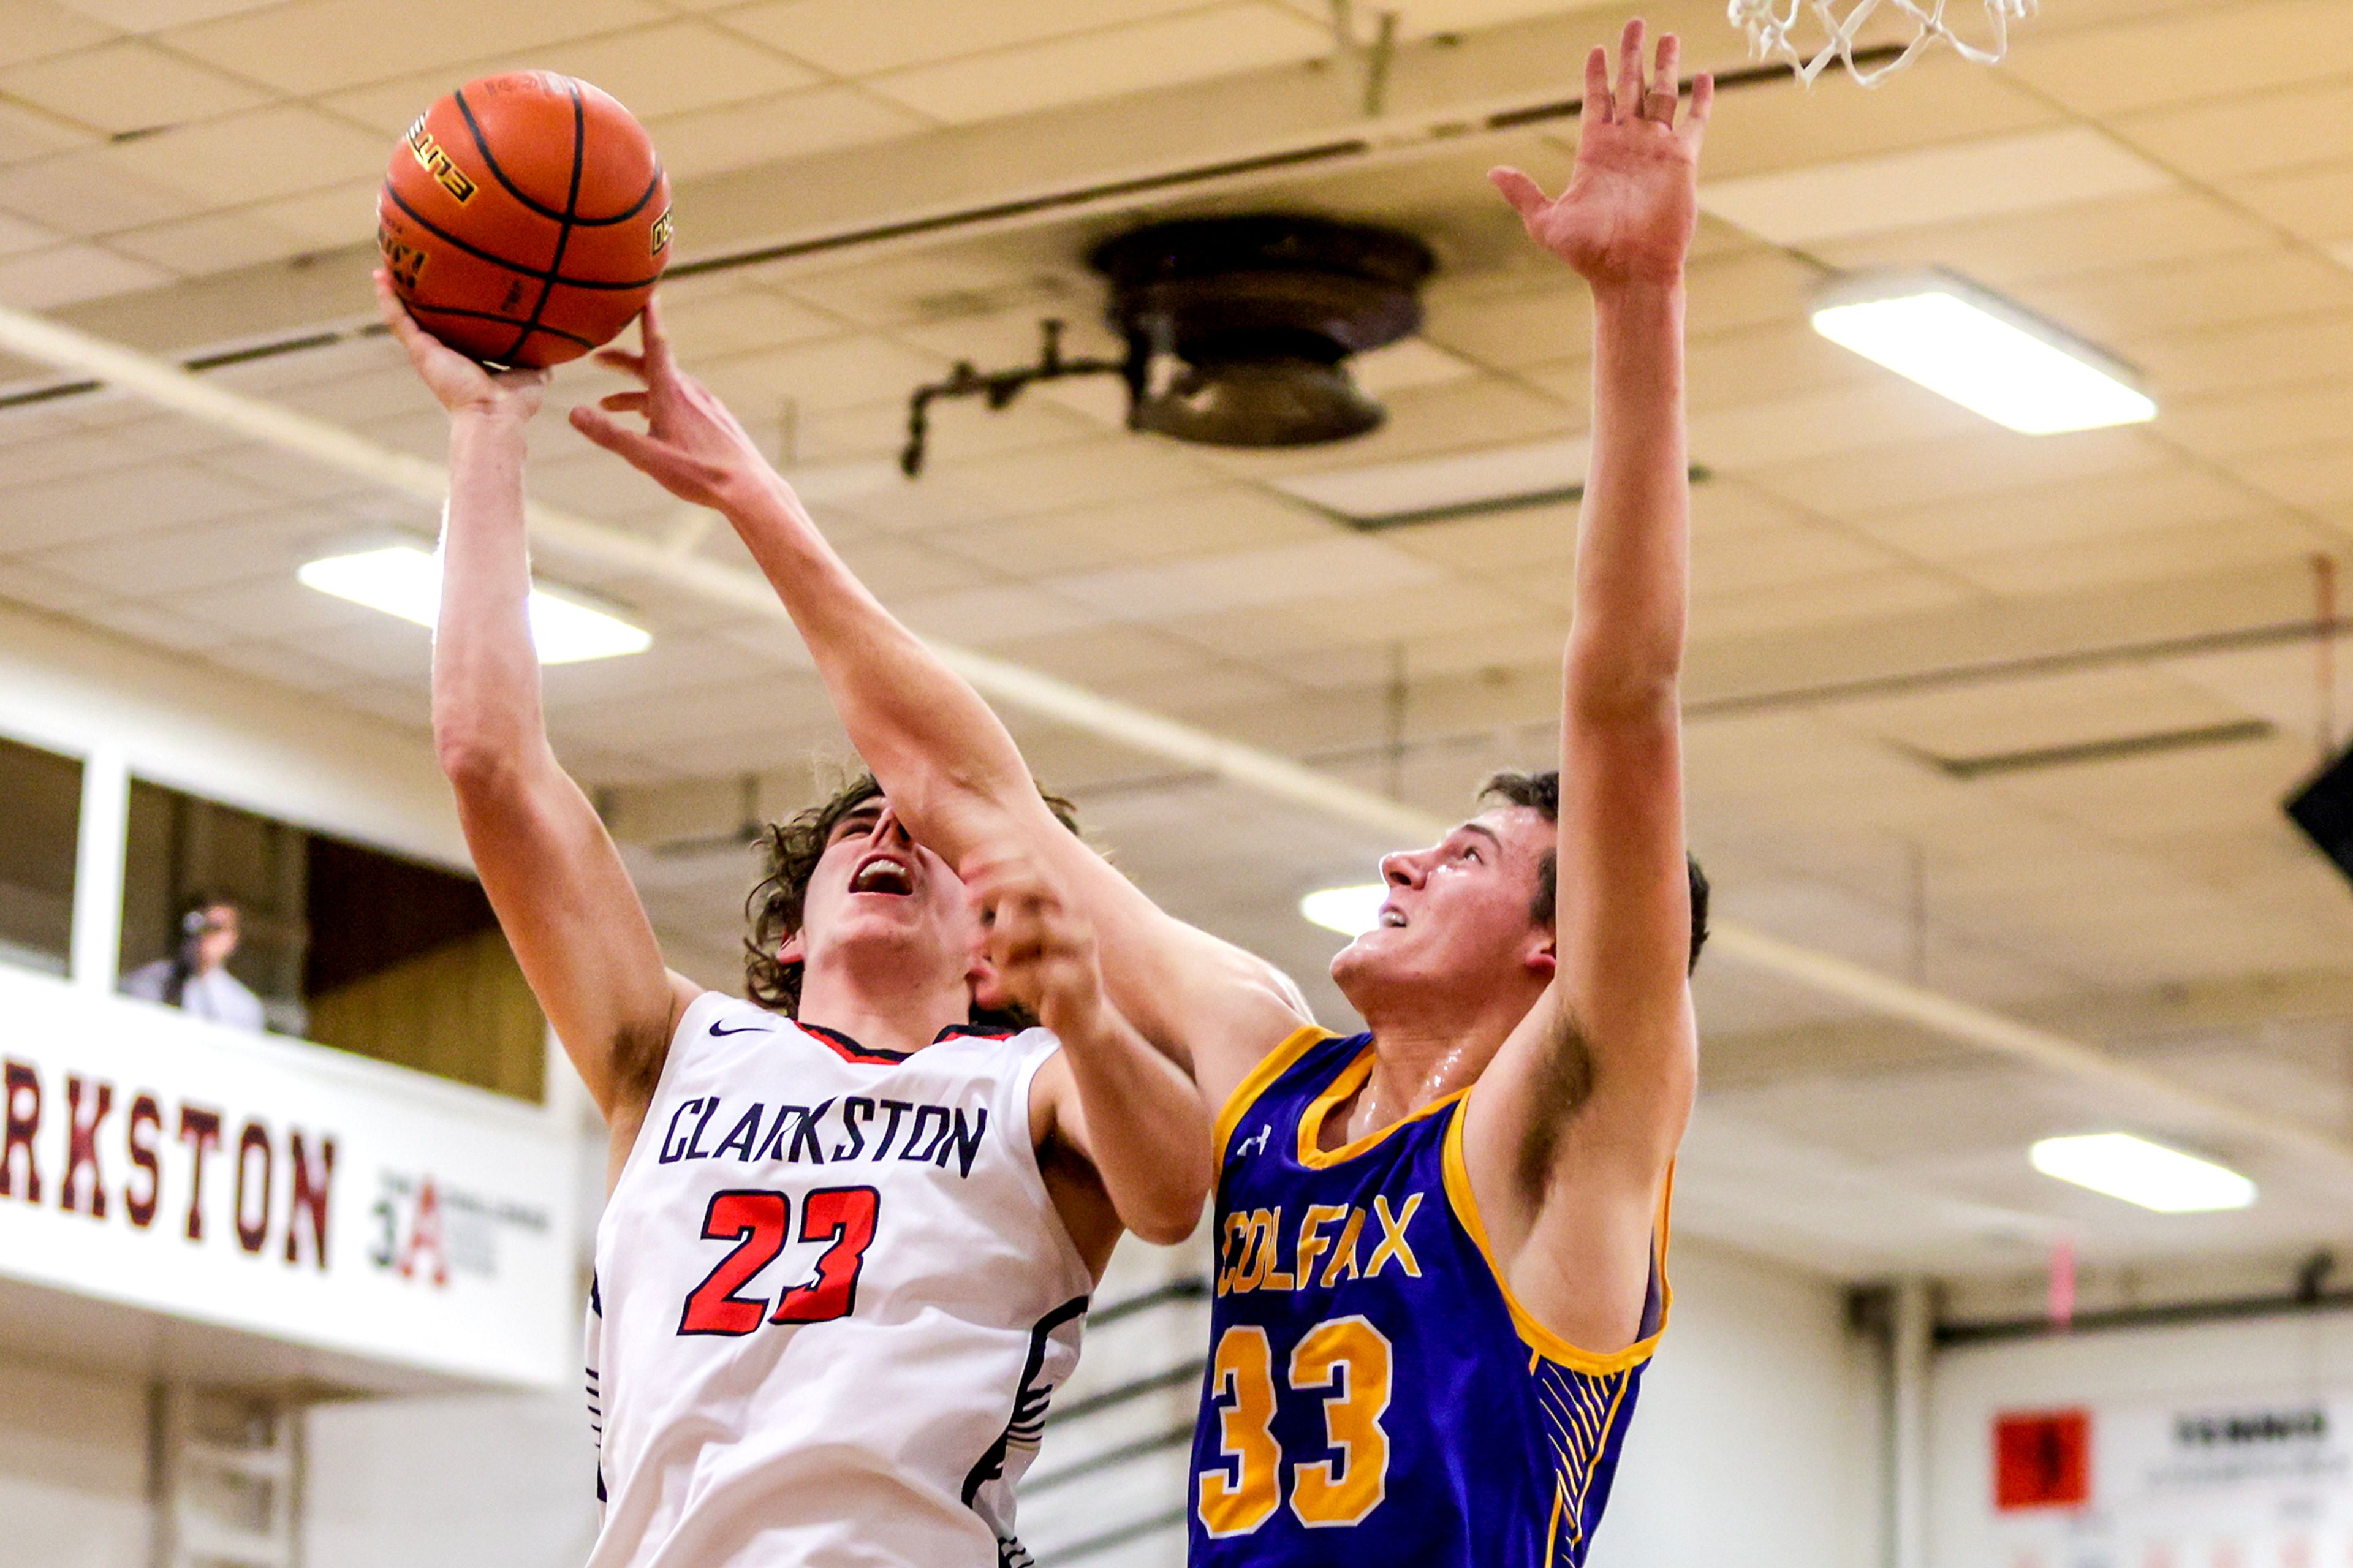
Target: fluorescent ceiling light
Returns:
[[2143, 1173], [405, 580], [1351, 911], [1984, 353], [1380, 495]]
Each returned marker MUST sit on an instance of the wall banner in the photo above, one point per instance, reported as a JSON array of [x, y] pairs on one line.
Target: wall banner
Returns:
[[2263, 1481], [282, 1189]]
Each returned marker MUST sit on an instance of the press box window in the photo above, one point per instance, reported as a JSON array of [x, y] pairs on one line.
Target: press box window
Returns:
[[344, 944], [41, 793]]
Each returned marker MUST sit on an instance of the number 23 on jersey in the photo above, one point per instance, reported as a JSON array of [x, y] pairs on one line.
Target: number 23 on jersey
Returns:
[[1346, 1363], [759, 1223]]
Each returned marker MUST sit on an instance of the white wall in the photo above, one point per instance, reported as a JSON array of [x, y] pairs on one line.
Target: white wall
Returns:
[[2228, 1362], [236, 742], [73, 1470], [470, 1481], [1757, 1439]]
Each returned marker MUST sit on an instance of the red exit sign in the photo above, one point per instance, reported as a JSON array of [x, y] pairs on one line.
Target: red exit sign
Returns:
[[2041, 1459]]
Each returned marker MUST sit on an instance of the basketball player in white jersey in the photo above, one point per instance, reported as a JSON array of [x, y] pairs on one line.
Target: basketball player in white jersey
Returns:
[[847, 1252], [1526, 985]]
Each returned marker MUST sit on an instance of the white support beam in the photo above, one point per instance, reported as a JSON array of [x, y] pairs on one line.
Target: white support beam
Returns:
[[1044, 696], [99, 860]]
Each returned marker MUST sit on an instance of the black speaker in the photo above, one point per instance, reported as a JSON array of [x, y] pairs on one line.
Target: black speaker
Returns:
[[2324, 809]]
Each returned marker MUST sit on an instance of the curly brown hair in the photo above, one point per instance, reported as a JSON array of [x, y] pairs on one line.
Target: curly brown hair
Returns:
[[790, 852]]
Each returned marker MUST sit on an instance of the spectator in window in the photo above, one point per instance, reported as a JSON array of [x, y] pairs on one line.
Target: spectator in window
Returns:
[[197, 979]]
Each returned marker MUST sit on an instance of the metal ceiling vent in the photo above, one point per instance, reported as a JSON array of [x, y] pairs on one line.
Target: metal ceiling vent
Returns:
[[1239, 329], [1263, 313]]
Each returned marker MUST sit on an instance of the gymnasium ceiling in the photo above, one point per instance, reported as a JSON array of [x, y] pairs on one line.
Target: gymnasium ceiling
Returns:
[[1915, 636]]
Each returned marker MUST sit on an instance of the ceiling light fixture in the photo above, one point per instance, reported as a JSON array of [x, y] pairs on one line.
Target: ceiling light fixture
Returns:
[[1985, 353], [405, 580], [1352, 911], [2143, 1173]]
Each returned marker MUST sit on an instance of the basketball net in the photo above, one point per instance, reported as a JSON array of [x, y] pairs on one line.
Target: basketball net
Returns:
[[1770, 23]]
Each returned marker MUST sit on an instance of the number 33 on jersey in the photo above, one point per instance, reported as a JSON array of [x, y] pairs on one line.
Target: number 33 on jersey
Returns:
[[1373, 1395]]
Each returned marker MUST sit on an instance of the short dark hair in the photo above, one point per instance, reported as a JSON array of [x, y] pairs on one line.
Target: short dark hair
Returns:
[[1541, 793], [789, 853]]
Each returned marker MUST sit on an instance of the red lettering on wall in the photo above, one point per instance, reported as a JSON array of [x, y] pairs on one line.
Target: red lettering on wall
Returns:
[[253, 1218], [310, 1195], [81, 1147], [425, 1236], [148, 1117], [200, 1131], [23, 1093]]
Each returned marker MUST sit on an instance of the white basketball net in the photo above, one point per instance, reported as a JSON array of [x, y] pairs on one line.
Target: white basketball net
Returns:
[[1770, 22]]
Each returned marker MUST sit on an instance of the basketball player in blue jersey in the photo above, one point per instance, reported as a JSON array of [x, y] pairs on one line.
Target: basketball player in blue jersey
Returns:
[[851, 1235], [1440, 1269]]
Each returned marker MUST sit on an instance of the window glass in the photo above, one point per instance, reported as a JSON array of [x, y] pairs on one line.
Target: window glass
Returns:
[[41, 793], [338, 943]]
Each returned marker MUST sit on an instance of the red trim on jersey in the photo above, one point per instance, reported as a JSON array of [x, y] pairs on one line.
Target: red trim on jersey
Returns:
[[849, 1050]]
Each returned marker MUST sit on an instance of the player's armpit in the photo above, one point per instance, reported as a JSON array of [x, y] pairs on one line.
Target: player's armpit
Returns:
[[1568, 1145]]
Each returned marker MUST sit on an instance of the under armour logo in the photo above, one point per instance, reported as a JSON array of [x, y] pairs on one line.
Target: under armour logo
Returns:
[[1255, 1145]]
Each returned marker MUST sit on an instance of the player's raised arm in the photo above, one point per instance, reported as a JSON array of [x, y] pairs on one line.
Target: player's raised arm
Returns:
[[1573, 1133], [1111, 1100], [562, 895], [951, 771]]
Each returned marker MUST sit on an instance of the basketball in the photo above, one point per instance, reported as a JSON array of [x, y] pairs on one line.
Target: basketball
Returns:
[[525, 218]]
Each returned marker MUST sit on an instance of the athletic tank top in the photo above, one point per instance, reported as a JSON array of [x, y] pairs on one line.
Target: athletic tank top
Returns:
[[1373, 1393], [831, 1300]]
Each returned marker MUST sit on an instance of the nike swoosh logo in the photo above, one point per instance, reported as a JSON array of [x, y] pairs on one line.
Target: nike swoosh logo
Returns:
[[741, 1029]]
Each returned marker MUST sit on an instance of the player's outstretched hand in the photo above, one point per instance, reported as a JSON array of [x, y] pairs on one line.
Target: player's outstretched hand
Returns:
[[692, 445], [1042, 947], [1632, 202], [461, 385]]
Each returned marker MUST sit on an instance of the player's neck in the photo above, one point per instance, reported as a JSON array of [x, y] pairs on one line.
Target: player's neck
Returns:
[[1421, 1055], [884, 1010]]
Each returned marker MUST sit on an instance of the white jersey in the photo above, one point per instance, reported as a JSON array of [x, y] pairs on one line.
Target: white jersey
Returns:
[[832, 1298]]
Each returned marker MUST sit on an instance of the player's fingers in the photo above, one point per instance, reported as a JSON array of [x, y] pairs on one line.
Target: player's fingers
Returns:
[[1702, 100], [624, 403], [1527, 198], [1630, 71], [638, 450], [1597, 106], [623, 361], [650, 334], [396, 314], [1659, 104]]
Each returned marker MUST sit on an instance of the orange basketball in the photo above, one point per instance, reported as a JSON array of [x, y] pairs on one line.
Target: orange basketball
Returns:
[[525, 219]]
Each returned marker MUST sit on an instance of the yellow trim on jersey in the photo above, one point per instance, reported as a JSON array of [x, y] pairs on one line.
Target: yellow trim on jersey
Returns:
[[1271, 1065], [1352, 1078], [1551, 1346]]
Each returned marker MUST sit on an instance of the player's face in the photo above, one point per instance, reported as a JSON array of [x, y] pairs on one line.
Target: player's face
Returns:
[[1458, 913], [874, 884]]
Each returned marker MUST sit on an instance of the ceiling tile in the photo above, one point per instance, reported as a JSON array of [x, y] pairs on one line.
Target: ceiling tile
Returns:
[[2085, 237], [17, 236], [88, 193], [2262, 421], [1220, 41], [2207, 52], [1932, 186], [38, 279], [1089, 538], [2114, 308], [221, 243], [36, 28], [25, 133], [275, 152], [1245, 579], [841, 37], [2247, 133], [1784, 123], [147, 15], [776, 130], [2317, 203], [676, 67], [127, 86], [319, 45]]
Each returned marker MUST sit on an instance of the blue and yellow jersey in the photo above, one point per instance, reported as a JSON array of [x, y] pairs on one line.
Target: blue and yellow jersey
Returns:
[[1374, 1393]]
